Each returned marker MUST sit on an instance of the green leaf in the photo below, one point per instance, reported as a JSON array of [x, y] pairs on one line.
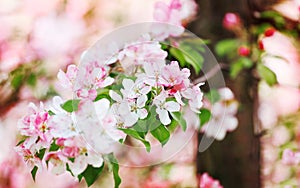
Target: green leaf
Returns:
[[266, 74], [273, 15], [91, 174], [33, 172], [227, 46], [247, 63], [135, 134], [235, 69], [113, 166], [192, 56], [162, 134], [32, 79], [178, 117], [103, 93], [51, 113], [54, 147], [71, 105], [178, 55], [17, 80], [213, 96], [204, 116], [41, 153], [21, 142]]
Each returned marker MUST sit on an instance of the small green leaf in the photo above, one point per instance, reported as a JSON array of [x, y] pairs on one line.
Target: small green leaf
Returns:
[[162, 134], [227, 46], [103, 93], [135, 134], [114, 167], [192, 56], [235, 69], [32, 79], [204, 116], [90, 174], [71, 105], [178, 117], [33, 172], [51, 113], [41, 153], [54, 147], [21, 142], [266, 74], [17, 80], [178, 55]]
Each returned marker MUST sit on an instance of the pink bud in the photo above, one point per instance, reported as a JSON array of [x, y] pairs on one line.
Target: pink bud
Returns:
[[231, 21], [244, 51]]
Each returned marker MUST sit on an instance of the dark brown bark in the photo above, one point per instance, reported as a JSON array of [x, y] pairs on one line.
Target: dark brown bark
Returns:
[[236, 160]]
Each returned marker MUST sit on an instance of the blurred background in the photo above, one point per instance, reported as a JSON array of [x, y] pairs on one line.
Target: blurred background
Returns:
[[37, 38]]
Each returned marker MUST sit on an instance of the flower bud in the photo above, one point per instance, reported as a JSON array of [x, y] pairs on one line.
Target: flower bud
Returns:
[[269, 32], [231, 21], [244, 51]]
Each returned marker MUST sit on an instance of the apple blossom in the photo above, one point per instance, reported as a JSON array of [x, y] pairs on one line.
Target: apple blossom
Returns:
[[223, 116], [290, 158], [208, 182], [164, 107]]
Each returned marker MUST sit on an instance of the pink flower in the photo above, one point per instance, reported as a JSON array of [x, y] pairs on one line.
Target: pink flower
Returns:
[[142, 51], [175, 77], [290, 158], [35, 124], [195, 97], [208, 182], [177, 13]]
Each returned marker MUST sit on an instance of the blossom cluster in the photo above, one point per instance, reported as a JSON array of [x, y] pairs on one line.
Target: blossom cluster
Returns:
[[109, 98]]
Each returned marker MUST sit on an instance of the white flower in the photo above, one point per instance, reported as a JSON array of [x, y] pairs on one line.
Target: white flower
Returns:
[[134, 89], [223, 116], [163, 107], [85, 158]]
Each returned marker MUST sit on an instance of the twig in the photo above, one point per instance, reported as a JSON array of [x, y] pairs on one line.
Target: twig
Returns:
[[210, 73]]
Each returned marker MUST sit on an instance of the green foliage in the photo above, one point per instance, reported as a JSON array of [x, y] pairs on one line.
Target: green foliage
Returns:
[[161, 133], [114, 167], [275, 16], [53, 147], [239, 65], [103, 93], [90, 174], [180, 120], [135, 134], [41, 153], [33, 172], [226, 47], [204, 116], [266, 74], [71, 105]]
